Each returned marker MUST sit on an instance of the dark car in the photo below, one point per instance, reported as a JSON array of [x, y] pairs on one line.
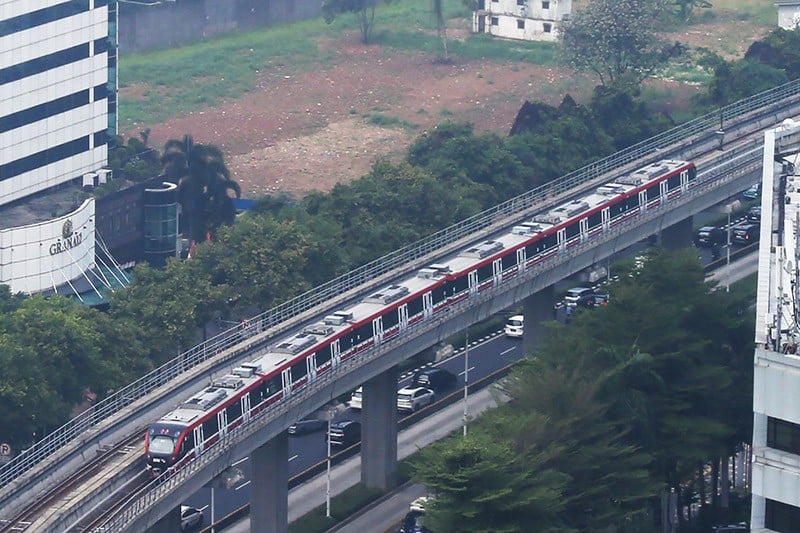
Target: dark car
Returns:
[[709, 236], [594, 299], [345, 433], [754, 192], [412, 523], [745, 234], [754, 214], [309, 425], [436, 379]]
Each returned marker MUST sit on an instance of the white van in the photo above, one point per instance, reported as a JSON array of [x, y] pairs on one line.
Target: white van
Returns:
[[514, 326]]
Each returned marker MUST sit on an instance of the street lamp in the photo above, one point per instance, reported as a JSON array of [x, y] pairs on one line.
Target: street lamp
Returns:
[[328, 473], [466, 380]]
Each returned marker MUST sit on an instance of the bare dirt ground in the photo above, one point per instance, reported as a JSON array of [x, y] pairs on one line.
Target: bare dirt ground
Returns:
[[302, 131]]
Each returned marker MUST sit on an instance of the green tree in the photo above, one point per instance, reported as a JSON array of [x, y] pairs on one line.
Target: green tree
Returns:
[[441, 26], [686, 7], [364, 11], [617, 40], [481, 485], [203, 182]]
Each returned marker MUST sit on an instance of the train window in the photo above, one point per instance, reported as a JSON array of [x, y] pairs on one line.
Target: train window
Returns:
[[347, 341], [299, 370], [573, 230], [550, 241], [485, 272], [457, 285], [439, 294], [272, 386], [323, 355], [674, 182], [188, 443], [390, 319], [632, 202], [595, 219], [509, 260], [362, 333], [234, 411], [415, 306], [210, 427], [653, 192], [692, 173]]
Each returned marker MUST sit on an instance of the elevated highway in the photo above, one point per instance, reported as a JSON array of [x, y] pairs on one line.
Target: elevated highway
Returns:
[[722, 172]]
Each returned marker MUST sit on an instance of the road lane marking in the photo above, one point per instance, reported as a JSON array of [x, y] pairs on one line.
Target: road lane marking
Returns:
[[509, 350], [240, 461], [243, 485], [468, 370], [292, 458]]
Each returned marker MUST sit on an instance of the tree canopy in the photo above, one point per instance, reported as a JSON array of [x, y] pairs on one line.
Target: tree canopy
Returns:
[[364, 11], [617, 40]]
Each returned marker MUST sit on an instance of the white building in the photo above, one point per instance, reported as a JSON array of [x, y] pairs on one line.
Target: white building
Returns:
[[529, 20], [788, 14], [775, 482], [57, 113]]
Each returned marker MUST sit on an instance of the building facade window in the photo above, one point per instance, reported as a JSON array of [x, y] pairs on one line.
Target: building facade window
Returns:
[[547, 27], [520, 24], [522, 2], [495, 21], [783, 435], [781, 517], [545, 4]]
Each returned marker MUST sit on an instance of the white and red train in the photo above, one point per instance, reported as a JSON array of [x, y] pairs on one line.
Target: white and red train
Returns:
[[293, 361]]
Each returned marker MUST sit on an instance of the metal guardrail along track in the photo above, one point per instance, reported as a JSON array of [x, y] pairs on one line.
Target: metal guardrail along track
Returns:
[[704, 127]]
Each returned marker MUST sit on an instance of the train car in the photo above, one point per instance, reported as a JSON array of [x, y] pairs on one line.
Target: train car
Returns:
[[312, 349]]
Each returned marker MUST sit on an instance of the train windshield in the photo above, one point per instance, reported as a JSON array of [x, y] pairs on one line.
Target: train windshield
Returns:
[[162, 444]]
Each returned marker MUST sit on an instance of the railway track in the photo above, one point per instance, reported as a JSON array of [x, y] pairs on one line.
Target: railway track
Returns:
[[57, 500]]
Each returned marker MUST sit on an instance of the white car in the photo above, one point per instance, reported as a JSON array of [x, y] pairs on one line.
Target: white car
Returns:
[[514, 326], [414, 398], [355, 398], [191, 518]]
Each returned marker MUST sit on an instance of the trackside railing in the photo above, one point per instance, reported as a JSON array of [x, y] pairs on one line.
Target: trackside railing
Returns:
[[652, 149]]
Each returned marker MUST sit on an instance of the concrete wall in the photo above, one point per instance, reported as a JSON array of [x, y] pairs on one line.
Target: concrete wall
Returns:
[[168, 24]]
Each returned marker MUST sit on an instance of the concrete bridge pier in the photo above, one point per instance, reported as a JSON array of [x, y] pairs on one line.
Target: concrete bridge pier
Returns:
[[269, 499], [678, 235], [169, 523], [379, 431], [537, 309]]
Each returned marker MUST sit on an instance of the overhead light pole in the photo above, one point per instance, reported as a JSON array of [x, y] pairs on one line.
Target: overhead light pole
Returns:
[[328, 468], [466, 380]]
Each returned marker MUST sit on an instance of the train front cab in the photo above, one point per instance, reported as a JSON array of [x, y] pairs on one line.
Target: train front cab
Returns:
[[161, 447]]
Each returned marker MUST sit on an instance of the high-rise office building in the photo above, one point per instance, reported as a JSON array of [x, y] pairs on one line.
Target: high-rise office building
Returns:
[[775, 482], [58, 71]]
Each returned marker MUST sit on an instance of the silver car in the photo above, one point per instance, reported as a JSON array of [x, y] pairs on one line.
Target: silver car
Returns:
[[191, 518]]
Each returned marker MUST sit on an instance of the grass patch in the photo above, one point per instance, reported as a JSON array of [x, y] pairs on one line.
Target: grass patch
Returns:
[[342, 506], [386, 121]]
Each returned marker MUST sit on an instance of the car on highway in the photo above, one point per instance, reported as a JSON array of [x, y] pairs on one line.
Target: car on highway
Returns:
[[753, 192], [191, 518], [576, 294], [593, 300], [434, 378], [745, 234], [412, 399], [355, 398], [754, 214], [514, 326], [709, 236], [344, 433], [309, 425]]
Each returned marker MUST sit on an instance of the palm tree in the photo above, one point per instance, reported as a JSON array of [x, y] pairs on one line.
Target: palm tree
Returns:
[[203, 183]]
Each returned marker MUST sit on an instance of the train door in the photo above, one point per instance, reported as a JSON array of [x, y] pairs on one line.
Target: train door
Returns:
[[198, 439], [336, 354], [286, 382], [311, 366], [684, 180], [584, 229], [663, 189], [497, 271], [562, 238], [472, 279], [402, 314], [377, 329], [521, 260], [605, 216], [427, 304], [245, 408], [642, 201], [222, 420]]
